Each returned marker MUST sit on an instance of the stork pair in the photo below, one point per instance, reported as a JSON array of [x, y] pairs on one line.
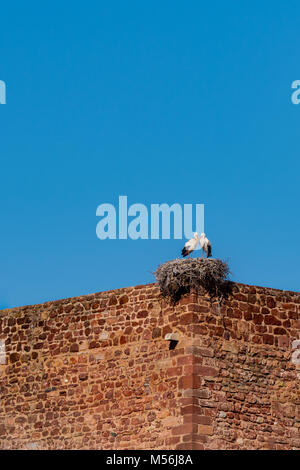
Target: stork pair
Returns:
[[191, 245]]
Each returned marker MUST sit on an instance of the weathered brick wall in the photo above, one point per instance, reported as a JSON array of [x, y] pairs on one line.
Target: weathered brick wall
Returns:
[[96, 372], [247, 371]]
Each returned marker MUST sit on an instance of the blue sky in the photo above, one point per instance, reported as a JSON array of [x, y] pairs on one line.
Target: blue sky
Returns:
[[162, 102]]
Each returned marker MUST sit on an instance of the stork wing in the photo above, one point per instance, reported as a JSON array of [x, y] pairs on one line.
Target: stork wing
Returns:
[[189, 243]]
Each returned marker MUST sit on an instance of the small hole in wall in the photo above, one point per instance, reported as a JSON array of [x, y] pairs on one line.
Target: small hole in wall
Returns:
[[173, 344], [173, 338]]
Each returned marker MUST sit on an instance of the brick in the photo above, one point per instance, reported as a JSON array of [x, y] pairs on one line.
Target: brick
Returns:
[[206, 352], [123, 300], [257, 319], [248, 316], [188, 428], [14, 357], [268, 339], [142, 314], [230, 346], [188, 318], [197, 419], [280, 331], [207, 371], [271, 320], [113, 300], [190, 382], [190, 410], [174, 371], [171, 441], [205, 393], [186, 446], [125, 389], [74, 348], [271, 302], [185, 360], [156, 333], [283, 341], [204, 429]]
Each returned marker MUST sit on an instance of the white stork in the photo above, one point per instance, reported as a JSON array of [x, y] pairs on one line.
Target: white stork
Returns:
[[205, 245], [190, 246]]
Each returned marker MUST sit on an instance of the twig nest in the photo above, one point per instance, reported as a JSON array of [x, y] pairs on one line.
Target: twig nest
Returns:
[[202, 275]]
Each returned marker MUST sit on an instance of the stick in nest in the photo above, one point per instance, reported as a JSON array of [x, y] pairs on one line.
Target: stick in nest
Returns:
[[202, 275]]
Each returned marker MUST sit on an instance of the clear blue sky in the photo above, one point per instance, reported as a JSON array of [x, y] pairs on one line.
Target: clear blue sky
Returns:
[[160, 101]]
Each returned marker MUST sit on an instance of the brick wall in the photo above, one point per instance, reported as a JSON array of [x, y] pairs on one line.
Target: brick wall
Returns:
[[97, 372]]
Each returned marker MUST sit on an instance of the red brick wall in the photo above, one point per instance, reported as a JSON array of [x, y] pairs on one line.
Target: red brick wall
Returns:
[[96, 372]]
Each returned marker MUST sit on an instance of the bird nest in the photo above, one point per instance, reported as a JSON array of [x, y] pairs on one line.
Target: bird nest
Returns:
[[201, 275]]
